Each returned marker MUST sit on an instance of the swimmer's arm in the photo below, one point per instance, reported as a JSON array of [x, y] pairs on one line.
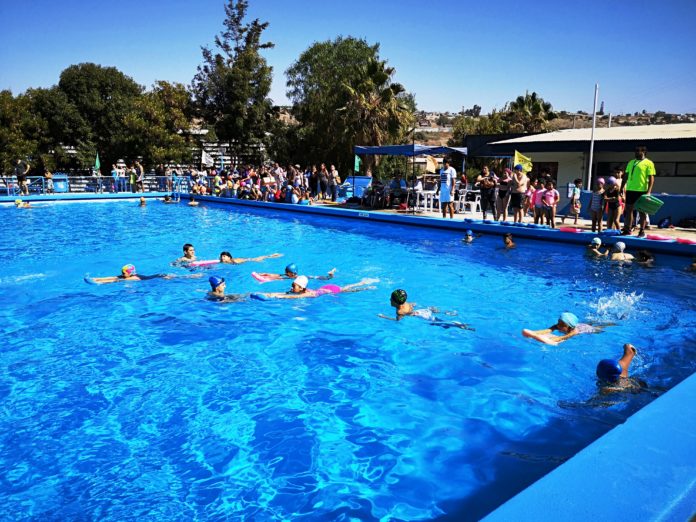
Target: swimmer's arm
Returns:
[[238, 260], [329, 275], [274, 277], [389, 318]]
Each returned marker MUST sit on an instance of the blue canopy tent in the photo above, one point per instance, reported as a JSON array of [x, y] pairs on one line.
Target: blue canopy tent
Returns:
[[410, 150]]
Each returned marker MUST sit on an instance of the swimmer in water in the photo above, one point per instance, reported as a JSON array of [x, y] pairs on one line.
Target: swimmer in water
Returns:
[[645, 258], [128, 273], [593, 249], [619, 255], [192, 202], [142, 201], [189, 254], [613, 375], [398, 300], [507, 241], [22, 204], [226, 258], [567, 324], [469, 237], [692, 267], [291, 272], [217, 291], [299, 290], [168, 199]]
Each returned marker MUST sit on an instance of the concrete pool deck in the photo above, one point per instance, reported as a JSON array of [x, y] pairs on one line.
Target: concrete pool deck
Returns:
[[643, 469]]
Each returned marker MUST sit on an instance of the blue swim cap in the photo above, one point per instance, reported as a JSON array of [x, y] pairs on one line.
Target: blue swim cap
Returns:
[[609, 370], [292, 268], [469, 233], [215, 281], [569, 319], [519, 167]]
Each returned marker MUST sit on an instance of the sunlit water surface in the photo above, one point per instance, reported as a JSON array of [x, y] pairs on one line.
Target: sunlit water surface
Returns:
[[145, 401]]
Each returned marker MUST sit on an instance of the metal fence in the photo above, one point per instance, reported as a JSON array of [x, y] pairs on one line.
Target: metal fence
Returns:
[[62, 183]]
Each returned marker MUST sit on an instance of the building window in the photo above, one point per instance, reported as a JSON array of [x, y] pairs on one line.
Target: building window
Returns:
[[664, 169], [549, 168]]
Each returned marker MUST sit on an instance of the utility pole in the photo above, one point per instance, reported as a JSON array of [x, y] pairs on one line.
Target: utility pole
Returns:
[[594, 122]]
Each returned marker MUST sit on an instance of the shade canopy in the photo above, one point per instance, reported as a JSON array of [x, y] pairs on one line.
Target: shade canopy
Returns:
[[406, 150]]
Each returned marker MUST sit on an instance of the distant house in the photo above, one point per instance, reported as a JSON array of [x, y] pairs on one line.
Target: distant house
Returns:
[[565, 153]]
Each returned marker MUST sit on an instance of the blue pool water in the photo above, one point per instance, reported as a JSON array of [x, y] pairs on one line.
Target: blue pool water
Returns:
[[145, 401]]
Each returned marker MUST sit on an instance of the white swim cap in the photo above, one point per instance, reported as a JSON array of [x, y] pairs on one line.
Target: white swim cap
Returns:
[[596, 241], [620, 246], [301, 281]]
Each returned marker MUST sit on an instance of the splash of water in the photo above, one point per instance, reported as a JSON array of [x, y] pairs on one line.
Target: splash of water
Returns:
[[618, 306]]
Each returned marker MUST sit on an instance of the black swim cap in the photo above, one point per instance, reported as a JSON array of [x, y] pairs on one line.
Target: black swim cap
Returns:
[[399, 296]]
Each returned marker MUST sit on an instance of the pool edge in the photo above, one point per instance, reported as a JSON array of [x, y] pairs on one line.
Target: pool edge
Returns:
[[643, 469]]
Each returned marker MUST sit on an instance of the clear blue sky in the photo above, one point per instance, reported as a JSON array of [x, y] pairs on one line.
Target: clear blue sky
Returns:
[[450, 54]]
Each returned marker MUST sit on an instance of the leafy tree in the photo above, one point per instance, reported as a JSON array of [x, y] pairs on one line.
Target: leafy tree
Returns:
[[231, 87], [475, 111], [15, 142], [104, 97], [529, 113], [493, 123], [343, 95]]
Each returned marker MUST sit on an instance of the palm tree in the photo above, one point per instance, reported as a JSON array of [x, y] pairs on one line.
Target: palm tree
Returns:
[[375, 111], [530, 113]]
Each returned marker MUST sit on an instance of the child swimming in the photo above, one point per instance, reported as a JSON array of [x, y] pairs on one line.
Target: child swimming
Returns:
[[593, 248], [613, 374], [398, 300], [299, 290], [291, 272], [567, 324]]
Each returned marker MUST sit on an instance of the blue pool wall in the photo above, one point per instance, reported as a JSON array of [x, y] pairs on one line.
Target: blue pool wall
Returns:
[[644, 469], [676, 207]]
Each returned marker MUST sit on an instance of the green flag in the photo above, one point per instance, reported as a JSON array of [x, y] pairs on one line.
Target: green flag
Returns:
[[356, 167], [97, 165]]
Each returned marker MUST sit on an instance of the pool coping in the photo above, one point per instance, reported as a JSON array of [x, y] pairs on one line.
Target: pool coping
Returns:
[[643, 469], [518, 230]]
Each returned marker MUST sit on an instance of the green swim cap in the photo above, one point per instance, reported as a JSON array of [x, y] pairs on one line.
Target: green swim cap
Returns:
[[399, 296]]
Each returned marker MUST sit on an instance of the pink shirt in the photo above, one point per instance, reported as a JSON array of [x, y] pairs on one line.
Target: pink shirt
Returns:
[[538, 196], [551, 197]]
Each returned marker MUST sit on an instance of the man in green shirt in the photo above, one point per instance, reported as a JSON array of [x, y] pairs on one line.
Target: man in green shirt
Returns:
[[639, 179]]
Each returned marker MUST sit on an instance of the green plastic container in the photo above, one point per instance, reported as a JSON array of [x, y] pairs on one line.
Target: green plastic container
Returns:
[[648, 204]]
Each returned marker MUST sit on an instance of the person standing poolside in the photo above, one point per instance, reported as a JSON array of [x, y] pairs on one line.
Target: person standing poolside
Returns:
[[597, 206], [640, 177], [611, 200], [503, 200], [448, 178], [21, 170], [518, 188], [575, 206], [487, 184], [549, 202]]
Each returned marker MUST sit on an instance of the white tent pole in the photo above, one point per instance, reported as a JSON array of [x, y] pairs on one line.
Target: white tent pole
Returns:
[[594, 122]]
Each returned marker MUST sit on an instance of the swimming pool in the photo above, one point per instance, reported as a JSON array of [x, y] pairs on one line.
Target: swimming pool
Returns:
[[144, 400]]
